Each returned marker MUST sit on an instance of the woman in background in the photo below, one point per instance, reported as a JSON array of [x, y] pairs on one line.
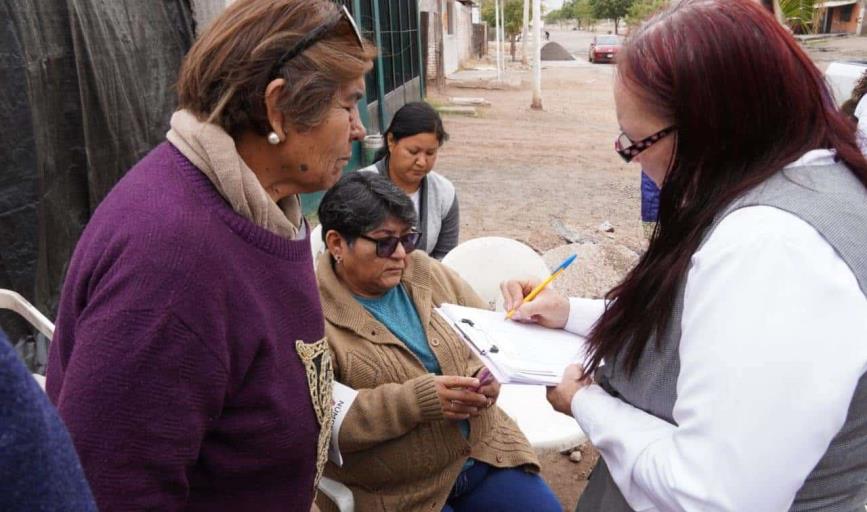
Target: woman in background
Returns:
[[412, 143]]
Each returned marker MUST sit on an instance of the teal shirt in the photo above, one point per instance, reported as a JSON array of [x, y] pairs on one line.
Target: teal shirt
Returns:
[[395, 310]]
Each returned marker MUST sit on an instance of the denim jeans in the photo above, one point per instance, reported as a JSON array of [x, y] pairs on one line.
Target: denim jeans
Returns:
[[483, 487]]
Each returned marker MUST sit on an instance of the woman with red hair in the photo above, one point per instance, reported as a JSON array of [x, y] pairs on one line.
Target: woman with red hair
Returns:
[[727, 370]]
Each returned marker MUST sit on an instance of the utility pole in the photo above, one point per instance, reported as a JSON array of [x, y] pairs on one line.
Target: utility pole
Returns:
[[503, 32], [537, 56], [524, 32], [859, 28], [497, 39]]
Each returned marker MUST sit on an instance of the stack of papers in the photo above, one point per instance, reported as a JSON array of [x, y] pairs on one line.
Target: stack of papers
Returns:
[[515, 353]]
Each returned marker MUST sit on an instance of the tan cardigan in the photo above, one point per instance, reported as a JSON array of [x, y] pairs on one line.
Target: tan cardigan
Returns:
[[400, 453]]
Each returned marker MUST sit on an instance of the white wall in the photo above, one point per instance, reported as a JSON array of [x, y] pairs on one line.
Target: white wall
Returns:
[[457, 47], [464, 29]]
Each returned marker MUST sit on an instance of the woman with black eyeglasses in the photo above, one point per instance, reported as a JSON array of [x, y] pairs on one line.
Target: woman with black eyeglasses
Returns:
[[424, 432], [189, 361], [728, 371]]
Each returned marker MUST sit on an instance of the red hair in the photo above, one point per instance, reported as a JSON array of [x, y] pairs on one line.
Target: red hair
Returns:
[[747, 101]]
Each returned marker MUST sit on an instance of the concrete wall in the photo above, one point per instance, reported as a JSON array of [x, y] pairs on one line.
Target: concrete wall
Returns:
[[457, 47], [433, 37], [464, 32], [861, 27]]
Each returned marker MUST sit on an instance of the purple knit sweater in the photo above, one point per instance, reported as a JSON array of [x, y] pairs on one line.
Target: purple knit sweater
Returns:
[[174, 363]]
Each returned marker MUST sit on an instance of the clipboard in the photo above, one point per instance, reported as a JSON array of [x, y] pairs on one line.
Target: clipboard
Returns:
[[515, 353]]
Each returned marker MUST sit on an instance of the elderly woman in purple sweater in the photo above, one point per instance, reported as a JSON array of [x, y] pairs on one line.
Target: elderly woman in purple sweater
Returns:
[[189, 362]]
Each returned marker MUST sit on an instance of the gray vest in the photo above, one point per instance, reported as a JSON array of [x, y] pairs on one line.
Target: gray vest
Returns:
[[834, 202], [436, 197]]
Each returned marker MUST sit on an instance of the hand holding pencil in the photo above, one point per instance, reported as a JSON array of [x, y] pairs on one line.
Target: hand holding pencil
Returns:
[[532, 300]]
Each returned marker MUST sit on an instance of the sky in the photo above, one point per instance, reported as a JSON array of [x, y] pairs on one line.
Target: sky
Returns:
[[552, 4]]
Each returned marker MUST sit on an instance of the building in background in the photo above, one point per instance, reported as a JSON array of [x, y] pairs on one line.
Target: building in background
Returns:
[[841, 16], [452, 32]]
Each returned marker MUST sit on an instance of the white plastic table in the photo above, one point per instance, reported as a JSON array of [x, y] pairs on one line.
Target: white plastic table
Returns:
[[545, 428]]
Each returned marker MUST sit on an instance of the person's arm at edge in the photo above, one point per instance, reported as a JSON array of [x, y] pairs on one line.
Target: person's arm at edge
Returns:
[[754, 467]]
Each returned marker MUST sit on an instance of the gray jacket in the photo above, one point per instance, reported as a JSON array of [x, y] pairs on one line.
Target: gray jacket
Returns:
[[834, 202], [439, 217]]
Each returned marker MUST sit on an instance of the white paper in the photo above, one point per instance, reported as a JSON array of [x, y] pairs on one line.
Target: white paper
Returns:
[[342, 397], [524, 353]]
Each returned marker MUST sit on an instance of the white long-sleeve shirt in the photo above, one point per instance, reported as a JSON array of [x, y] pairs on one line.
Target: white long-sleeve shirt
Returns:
[[774, 341], [861, 114]]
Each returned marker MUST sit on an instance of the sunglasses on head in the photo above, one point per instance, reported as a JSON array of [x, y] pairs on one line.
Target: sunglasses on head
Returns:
[[385, 247], [629, 150], [316, 35]]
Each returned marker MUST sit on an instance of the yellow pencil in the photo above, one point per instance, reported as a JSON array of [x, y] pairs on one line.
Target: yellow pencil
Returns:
[[532, 295]]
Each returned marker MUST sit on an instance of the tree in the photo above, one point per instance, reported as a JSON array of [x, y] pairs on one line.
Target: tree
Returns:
[[512, 12], [556, 16], [611, 9], [643, 9], [582, 12], [799, 14]]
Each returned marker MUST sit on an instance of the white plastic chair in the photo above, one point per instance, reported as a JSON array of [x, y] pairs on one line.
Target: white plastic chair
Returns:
[[317, 246], [484, 263], [339, 493], [15, 302]]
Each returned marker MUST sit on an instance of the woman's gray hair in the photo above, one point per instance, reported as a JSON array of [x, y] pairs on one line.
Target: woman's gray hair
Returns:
[[224, 76], [360, 202]]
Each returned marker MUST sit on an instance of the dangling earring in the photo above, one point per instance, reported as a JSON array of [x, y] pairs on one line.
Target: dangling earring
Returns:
[[338, 260], [273, 138]]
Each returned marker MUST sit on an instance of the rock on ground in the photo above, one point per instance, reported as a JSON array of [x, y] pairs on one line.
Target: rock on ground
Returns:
[[598, 268]]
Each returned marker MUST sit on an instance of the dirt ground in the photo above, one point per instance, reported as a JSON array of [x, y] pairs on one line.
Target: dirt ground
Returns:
[[534, 175]]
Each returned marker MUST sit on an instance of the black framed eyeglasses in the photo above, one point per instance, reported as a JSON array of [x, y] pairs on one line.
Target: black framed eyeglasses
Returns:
[[627, 149], [316, 35], [385, 247]]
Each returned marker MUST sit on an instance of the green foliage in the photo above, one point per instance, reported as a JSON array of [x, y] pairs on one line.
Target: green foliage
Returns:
[[799, 14], [643, 9], [555, 16], [513, 11], [582, 12], [576, 10], [611, 9]]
